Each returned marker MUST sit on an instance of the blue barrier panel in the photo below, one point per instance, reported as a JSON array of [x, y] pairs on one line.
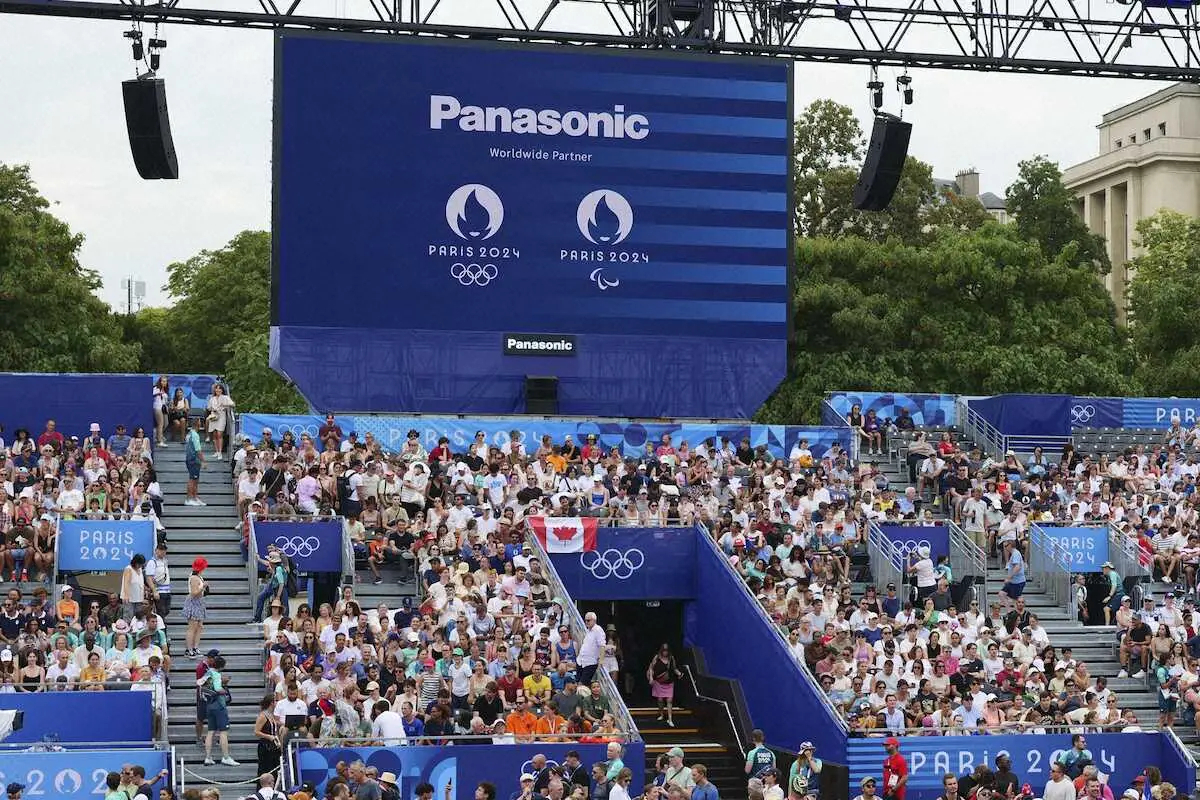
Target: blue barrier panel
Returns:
[[1086, 546], [1027, 414], [925, 409], [632, 564], [738, 643], [1121, 756], [619, 221], [74, 402], [110, 716], [465, 765], [632, 437], [103, 545], [908, 538], [1097, 412], [196, 388], [74, 774], [312, 546], [1158, 412]]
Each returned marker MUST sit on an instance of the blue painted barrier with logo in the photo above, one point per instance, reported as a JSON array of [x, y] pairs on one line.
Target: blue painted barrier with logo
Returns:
[[464, 765], [736, 641], [1086, 546], [110, 716], [1120, 756], [907, 538], [102, 545], [926, 409], [632, 564], [196, 388], [74, 774], [314, 546], [632, 437]]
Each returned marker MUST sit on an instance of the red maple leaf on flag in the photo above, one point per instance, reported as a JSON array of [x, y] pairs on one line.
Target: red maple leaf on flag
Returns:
[[564, 534]]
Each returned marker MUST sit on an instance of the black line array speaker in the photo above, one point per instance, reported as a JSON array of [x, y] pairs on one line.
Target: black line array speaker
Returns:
[[149, 128], [885, 159], [541, 394]]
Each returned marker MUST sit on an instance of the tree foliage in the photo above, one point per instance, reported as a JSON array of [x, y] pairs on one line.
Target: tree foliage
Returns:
[[973, 312], [1045, 213], [220, 321], [1162, 297], [52, 320]]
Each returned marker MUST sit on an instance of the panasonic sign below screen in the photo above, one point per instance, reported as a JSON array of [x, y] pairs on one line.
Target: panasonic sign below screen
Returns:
[[532, 344]]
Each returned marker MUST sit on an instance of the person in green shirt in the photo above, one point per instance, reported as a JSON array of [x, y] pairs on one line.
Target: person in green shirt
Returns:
[[1116, 590], [759, 759], [594, 706], [614, 762], [193, 457]]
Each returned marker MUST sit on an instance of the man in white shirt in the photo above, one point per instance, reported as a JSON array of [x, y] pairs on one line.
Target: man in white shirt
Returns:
[[388, 726], [62, 667], [291, 705], [591, 649], [459, 514]]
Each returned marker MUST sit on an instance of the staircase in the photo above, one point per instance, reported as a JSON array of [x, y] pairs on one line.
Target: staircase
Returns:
[[209, 531], [704, 741], [1095, 645]]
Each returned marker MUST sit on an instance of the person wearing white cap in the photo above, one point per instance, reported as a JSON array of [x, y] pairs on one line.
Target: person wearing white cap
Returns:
[[920, 565]]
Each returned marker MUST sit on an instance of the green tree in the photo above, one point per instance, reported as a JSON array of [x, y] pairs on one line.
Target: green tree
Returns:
[[1162, 299], [221, 320], [828, 147], [151, 329], [973, 312], [1045, 213], [52, 320]]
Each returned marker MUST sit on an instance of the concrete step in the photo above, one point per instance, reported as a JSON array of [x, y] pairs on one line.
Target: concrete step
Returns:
[[219, 554], [209, 513]]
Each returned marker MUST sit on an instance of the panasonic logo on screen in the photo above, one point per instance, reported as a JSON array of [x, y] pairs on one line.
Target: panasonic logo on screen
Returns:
[[518, 344], [615, 124]]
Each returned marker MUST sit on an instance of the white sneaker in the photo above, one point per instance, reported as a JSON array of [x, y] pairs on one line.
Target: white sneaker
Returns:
[[199, 502], [208, 762], [191, 501], [1123, 674], [229, 762], [218, 457], [1141, 673]]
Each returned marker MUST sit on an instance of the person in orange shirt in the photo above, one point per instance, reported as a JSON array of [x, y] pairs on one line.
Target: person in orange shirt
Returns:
[[67, 609], [556, 460], [520, 722], [549, 725]]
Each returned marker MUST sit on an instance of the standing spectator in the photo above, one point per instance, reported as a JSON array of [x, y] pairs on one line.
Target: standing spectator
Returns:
[[364, 786], [133, 586], [661, 674], [220, 407], [804, 777], [921, 567], [266, 732], [620, 786], [895, 770], [158, 577], [760, 758], [1116, 590], [273, 587], [214, 692], [193, 457], [703, 788], [677, 773], [591, 650], [1014, 581], [195, 609], [161, 397], [1059, 787]]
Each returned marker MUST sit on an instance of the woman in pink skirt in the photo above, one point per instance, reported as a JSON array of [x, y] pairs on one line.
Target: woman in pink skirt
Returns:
[[662, 673]]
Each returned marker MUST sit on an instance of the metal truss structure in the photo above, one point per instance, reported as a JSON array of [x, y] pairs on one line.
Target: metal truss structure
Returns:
[[1098, 38]]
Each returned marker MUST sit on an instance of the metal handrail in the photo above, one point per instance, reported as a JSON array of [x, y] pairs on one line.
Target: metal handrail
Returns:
[[728, 713], [151, 744], [252, 560], [1048, 565], [766, 620], [1180, 748], [1008, 728], [979, 429], [415, 741], [1126, 552], [578, 630], [968, 558], [348, 570], [887, 565]]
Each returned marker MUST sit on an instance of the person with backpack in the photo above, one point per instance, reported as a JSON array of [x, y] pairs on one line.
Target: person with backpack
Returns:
[[266, 789], [275, 586], [193, 457], [389, 788]]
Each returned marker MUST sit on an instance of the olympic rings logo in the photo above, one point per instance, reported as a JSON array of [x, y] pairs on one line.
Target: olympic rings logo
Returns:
[[302, 546], [1082, 413], [612, 563], [474, 274], [528, 766], [298, 429], [906, 547]]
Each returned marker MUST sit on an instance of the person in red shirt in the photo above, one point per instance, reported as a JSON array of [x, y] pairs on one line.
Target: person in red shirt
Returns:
[[895, 770], [591, 452], [51, 437]]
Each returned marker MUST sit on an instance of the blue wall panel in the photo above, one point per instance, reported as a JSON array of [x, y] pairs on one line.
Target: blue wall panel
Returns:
[[109, 716], [74, 401]]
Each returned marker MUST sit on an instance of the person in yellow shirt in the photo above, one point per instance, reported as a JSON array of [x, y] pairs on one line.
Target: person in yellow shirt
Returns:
[[91, 677], [537, 686]]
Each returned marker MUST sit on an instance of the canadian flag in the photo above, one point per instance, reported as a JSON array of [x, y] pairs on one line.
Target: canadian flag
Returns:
[[565, 534]]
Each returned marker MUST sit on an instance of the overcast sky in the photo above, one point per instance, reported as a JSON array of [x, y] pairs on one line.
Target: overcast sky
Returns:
[[60, 91]]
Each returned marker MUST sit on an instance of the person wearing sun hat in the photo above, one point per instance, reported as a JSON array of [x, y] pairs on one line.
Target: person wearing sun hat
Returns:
[[195, 608], [804, 776]]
